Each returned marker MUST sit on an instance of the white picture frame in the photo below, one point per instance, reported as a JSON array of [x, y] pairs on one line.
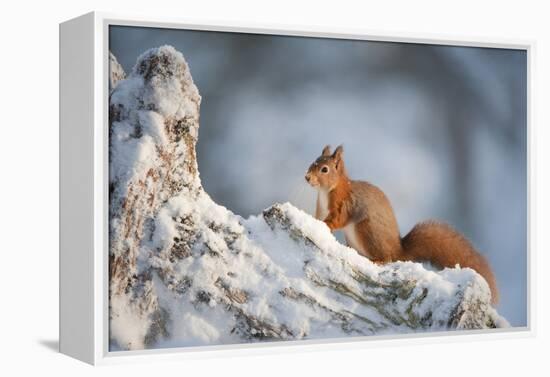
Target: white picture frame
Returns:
[[84, 190]]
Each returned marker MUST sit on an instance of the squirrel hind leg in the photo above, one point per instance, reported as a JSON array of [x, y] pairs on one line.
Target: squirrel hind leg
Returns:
[[376, 248]]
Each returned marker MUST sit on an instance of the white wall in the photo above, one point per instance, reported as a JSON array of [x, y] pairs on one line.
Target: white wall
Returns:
[[29, 185]]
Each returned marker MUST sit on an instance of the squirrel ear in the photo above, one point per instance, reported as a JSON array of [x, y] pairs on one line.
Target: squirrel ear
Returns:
[[337, 155], [326, 151], [338, 152]]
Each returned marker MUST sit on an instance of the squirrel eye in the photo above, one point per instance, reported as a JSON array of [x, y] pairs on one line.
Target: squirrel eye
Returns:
[[324, 169]]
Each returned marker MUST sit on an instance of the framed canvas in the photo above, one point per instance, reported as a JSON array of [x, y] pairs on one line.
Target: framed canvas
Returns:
[[238, 189]]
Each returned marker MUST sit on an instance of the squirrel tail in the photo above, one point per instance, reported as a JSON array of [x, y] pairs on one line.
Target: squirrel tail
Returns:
[[443, 246]]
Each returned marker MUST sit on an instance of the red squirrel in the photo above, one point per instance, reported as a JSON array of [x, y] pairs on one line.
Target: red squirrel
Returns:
[[366, 217]]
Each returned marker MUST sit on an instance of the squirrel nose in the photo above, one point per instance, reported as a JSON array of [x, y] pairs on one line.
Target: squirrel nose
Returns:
[[308, 177]]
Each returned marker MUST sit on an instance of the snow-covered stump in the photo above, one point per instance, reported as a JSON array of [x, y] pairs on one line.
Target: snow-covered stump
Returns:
[[186, 271]]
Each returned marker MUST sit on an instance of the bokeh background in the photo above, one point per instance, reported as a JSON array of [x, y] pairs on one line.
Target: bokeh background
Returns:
[[441, 129]]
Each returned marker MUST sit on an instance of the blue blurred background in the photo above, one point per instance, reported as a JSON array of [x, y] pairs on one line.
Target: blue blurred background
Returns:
[[441, 129]]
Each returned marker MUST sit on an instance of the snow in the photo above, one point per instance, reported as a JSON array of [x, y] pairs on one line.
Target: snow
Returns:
[[116, 72], [187, 271]]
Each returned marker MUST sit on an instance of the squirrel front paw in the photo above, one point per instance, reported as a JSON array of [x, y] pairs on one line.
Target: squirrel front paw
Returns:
[[330, 225]]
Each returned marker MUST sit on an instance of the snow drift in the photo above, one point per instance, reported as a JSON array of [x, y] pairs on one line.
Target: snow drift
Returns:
[[185, 271]]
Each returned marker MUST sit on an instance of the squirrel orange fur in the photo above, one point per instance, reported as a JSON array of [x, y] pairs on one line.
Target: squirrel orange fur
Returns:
[[366, 216]]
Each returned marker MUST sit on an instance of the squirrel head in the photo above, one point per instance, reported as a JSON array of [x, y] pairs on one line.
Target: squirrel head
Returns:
[[328, 169]]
